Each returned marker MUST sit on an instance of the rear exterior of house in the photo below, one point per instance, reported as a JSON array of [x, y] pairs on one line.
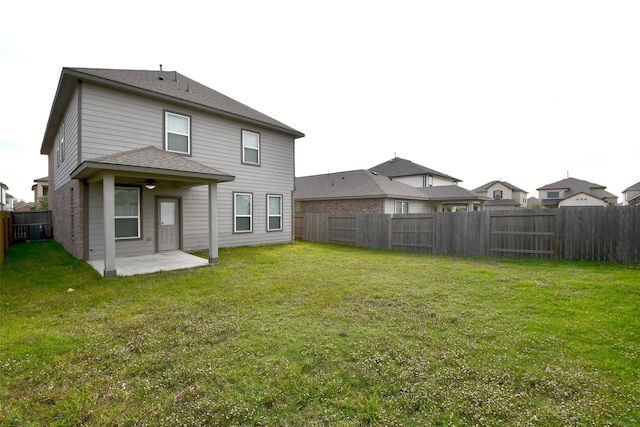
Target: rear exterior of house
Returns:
[[179, 165], [503, 195], [575, 192]]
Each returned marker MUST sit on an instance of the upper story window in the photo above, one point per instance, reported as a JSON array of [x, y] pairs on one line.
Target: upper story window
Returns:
[[497, 194], [553, 194], [402, 207], [60, 146], [274, 212], [250, 147], [177, 136], [429, 180]]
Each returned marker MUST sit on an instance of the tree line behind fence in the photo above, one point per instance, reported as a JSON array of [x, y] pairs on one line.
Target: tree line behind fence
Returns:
[[589, 233]]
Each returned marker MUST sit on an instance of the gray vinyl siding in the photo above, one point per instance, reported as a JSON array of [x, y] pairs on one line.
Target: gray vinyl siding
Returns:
[[114, 121], [62, 172]]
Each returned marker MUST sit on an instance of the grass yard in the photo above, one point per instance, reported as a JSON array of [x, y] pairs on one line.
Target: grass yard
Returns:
[[313, 334]]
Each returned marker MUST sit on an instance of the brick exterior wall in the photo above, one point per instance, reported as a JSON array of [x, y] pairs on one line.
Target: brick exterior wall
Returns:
[[67, 209], [342, 206]]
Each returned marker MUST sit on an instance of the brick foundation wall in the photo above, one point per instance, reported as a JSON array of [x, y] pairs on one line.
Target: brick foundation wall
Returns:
[[68, 224], [343, 206]]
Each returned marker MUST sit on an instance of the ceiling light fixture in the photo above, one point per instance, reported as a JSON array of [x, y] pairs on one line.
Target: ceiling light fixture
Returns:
[[150, 183]]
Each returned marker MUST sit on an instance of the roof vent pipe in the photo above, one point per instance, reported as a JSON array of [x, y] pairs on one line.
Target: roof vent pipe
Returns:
[[175, 76], [160, 67], [189, 87]]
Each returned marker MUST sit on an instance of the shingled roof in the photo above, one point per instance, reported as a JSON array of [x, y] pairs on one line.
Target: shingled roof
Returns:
[[168, 85], [635, 186], [357, 184], [449, 193], [398, 167], [153, 161], [362, 184]]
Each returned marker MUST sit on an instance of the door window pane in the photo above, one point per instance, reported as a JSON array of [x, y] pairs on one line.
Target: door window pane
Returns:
[[167, 213]]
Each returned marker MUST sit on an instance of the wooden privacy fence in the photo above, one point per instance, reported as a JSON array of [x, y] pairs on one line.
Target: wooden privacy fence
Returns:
[[604, 234], [5, 233], [34, 225]]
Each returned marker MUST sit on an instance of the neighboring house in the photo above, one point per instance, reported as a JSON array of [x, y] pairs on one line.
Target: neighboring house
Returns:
[[356, 192], [22, 207], [150, 161], [413, 174], [439, 188], [504, 196], [40, 191], [4, 206], [631, 196], [363, 191], [575, 192], [10, 202]]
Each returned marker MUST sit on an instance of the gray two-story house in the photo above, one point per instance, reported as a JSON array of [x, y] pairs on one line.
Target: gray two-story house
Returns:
[[149, 161]]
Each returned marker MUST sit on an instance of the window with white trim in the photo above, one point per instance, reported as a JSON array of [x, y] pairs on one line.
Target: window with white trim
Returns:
[[242, 212], [497, 194], [402, 207], [274, 212], [127, 212], [553, 194], [177, 138], [250, 147]]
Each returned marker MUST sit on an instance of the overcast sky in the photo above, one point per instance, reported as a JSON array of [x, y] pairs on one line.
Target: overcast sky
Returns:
[[526, 92]]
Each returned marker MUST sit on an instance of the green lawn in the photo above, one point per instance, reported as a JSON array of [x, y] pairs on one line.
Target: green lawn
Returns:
[[313, 334]]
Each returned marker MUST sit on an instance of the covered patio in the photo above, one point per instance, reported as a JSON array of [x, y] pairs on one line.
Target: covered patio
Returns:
[[151, 169]]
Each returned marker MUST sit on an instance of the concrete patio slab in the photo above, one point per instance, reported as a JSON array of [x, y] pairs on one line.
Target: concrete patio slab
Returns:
[[144, 264]]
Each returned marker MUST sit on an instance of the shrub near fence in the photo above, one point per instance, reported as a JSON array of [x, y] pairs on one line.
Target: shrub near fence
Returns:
[[603, 234]]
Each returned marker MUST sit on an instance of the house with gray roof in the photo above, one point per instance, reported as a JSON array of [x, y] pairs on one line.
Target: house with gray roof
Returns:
[[365, 191], [142, 162], [413, 174], [631, 195], [41, 193], [502, 195], [575, 192]]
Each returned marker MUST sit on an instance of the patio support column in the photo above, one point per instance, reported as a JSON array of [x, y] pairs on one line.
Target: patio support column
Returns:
[[109, 212], [213, 223]]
